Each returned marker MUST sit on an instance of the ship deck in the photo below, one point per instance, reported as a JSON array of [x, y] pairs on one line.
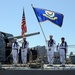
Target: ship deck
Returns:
[[44, 67]]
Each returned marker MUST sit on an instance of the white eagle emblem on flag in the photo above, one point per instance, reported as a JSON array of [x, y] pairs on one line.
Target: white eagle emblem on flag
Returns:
[[50, 15]]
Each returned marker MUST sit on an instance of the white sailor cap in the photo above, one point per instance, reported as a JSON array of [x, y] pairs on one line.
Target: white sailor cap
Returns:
[[51, 35], [24, 37], [15, 38]]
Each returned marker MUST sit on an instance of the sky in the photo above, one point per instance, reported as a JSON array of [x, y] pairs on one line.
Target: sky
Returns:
[[11, 17]]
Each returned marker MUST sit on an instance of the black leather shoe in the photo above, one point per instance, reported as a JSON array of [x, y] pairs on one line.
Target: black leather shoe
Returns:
[[50, 65], [62, 66]]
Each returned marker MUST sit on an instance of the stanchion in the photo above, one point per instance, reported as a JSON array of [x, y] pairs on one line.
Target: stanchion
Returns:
[[0, 65], [41, 62]]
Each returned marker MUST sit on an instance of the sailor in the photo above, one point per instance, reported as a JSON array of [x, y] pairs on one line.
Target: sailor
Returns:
[[62, 51], [50, 51], [15, 51], [24, 49]]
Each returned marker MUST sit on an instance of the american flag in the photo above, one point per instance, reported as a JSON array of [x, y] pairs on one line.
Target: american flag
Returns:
[[23, 25]]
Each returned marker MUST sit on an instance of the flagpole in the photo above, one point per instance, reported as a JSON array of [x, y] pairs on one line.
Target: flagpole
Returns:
[[43, 32], [45, 41], [41, 29]]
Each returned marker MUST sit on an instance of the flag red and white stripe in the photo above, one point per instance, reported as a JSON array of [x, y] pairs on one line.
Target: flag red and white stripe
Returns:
[[23, 25]]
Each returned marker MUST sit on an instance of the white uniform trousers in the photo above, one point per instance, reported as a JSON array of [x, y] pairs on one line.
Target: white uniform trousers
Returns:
[[24, 55], [62, 56], [50, 55], [15, 56]]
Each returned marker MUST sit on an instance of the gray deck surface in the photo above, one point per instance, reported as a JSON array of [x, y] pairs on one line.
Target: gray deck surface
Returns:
[[45, 67]]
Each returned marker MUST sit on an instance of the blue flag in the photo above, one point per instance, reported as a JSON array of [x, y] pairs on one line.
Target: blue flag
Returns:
[[43, 15]]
